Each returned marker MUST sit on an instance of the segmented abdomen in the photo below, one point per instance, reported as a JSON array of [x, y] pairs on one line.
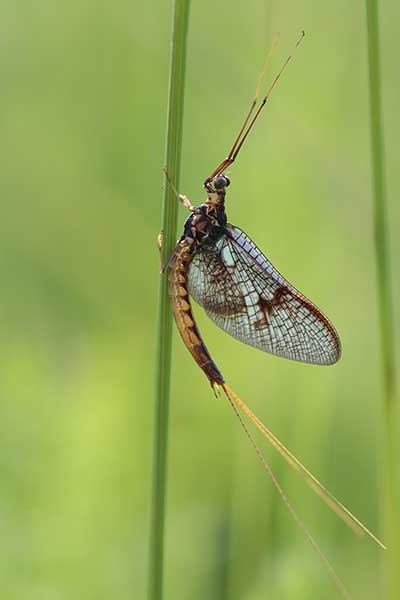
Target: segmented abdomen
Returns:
[[185, 322]]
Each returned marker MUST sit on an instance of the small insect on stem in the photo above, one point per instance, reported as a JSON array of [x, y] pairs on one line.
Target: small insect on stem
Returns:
[[219, 266]]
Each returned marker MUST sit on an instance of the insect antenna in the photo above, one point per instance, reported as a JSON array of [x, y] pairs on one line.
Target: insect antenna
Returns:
[[297, 466], [332, 573], [245, 129]]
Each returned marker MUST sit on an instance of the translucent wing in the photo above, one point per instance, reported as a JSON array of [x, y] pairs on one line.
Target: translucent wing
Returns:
[[245, 295]]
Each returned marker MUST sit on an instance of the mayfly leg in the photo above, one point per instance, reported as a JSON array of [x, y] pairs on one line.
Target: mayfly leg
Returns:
[[164, 266], [247, 127], [266, 97], [261, 79], [187, 204], [160, 238], [181, 197]]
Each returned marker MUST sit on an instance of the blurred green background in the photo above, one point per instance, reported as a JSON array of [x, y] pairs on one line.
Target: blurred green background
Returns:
[[83, 110]]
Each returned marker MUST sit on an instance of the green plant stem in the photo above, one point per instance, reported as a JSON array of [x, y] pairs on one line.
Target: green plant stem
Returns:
[[391, 522], [163, 366]]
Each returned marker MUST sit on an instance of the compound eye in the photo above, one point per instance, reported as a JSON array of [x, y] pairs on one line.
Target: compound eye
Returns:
[[221, 182]]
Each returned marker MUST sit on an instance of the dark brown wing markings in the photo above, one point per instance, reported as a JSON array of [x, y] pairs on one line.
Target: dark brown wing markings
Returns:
[[211, 284], [311, 326], [267, 306], [248, 298]]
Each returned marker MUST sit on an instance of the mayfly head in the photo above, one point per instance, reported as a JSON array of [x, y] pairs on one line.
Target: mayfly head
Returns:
[[216, 190]]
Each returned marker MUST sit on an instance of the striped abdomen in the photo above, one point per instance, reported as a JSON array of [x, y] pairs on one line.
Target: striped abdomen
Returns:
[[185, 322]]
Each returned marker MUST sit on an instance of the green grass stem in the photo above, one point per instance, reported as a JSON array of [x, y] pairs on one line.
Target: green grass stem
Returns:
[[163, 365], [390, 504]]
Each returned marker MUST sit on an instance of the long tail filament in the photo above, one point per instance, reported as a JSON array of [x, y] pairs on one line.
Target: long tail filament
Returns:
[[338, 582], [312, 481]]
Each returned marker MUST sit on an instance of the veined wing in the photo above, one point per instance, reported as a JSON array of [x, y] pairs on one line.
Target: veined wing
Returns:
[[247, 297]]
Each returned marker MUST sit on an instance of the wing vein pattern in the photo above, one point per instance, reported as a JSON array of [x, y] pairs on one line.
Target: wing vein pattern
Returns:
[[243, 293]]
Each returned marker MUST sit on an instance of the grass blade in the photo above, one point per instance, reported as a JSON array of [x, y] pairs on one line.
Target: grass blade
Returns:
[[391, 520], [163, 365]]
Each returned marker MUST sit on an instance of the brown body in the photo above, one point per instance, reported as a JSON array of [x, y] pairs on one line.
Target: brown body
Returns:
[[182, 308]]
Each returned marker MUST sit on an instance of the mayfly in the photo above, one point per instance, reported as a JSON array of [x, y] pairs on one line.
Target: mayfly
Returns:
[[219, 266]]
